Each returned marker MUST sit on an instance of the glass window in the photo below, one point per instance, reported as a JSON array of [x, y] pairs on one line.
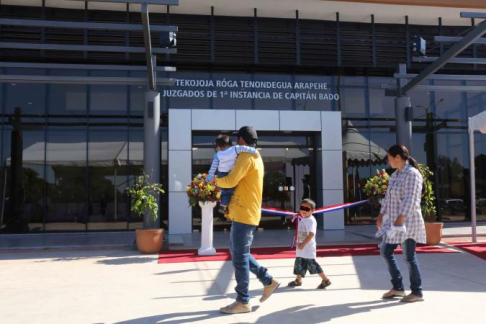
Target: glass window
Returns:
[[5, 201], [275, 104], [449, 104], [186, 96], [30, 98], [289, 168], [352, 94], [108, 175], [324, 98], [476, 101], [164, 171], [33, 181], [108, 99], [67, 99], [357, 160], [452, 170], [480, 163], [67, 208], [23, 180], [226, 97], [380, 105], [137, 95], [135, 169]]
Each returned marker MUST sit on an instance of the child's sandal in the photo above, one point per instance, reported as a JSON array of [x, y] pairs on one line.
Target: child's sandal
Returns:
[[324, 284], [295, 283]]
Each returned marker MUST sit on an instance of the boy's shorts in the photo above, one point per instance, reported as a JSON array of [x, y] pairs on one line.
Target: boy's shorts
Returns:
[[301, 266]]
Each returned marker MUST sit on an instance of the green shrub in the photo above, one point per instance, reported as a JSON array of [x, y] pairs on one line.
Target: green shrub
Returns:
[[427, 203]]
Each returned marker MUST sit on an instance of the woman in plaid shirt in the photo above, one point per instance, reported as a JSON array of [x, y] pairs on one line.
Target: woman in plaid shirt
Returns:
[[402, 205]]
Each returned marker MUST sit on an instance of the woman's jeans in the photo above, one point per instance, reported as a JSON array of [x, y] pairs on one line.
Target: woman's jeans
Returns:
[[408, 247], [241, 237], [226, 193]]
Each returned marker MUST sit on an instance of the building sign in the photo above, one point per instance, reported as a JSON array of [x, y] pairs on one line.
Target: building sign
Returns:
[[250, 89]]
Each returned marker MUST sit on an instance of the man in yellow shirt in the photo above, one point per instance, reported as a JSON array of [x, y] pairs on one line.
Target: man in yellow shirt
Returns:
[[245, 212]]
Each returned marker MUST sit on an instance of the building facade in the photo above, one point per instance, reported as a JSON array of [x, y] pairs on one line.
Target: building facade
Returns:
[[288, 70]]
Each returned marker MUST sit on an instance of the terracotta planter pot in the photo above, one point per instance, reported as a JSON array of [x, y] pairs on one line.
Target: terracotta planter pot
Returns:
[[434, 233], [149, 241]]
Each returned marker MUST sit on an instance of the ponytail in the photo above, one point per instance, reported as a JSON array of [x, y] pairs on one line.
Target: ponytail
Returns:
[[413, 163]]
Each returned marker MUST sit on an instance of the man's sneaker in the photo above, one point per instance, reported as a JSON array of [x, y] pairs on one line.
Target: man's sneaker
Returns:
[[412, 299], [393, 293], [268, 290], [236, 308]]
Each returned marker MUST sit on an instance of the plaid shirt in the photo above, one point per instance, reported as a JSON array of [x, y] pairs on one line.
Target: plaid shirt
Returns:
[[403, 198]]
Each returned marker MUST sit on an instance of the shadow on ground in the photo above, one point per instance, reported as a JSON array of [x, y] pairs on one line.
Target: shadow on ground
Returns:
[[308, 314]]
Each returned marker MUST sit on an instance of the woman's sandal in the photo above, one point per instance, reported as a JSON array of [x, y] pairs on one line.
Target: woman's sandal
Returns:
[[295, 283], [324, 284]]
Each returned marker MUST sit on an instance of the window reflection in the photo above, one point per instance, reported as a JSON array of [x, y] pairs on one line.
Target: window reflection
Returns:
[[274, 104], [108, 166], [449, 104], [67, 99], [108, 99], [480, 161], [135, 169], [352, 94], [66, 154], [290, 173], [23, 180], [318, 105], [452, 173], [31, 98], [223, 100]]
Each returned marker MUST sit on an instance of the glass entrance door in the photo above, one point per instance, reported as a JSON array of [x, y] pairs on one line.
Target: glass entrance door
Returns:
[[289, 162]]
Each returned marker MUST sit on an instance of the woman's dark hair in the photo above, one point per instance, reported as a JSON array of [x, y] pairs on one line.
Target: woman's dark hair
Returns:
[[404, 154], [402, 151], [309, 202], [223, 141]]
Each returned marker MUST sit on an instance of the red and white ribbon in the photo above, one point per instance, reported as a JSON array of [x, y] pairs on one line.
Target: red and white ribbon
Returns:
[[296, 216], [327, 209]]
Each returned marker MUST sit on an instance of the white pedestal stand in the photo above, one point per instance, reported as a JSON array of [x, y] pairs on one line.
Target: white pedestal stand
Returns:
[[207, 228]]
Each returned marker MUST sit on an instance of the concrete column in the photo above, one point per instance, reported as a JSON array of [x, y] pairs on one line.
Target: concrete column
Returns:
[[404, 127], [151, 144]]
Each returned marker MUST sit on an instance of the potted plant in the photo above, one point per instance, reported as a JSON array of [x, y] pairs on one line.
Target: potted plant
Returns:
[[433, 229], [145, 202], [206, 194]]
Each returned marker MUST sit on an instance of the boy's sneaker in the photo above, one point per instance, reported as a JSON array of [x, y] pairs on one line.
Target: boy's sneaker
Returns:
[[223, 209], [236, 308]]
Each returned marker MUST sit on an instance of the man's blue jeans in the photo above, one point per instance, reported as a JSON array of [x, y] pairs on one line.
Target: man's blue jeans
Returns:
[[408, 247], [241, 237]]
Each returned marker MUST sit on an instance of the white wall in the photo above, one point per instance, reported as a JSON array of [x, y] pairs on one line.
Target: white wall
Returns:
[[182, 122]]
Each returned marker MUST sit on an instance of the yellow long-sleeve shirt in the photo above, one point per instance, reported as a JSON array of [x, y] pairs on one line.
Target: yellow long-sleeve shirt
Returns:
[[246, 202]]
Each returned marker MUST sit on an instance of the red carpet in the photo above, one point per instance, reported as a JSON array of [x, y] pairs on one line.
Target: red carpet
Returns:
[[179, 256], [477, 249]]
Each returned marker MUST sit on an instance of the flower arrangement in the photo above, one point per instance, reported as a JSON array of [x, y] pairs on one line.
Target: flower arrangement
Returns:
[[376, 186], [202, 190]]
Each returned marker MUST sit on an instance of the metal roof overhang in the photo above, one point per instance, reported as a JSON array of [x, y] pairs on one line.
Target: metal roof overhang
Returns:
[[308, 9]]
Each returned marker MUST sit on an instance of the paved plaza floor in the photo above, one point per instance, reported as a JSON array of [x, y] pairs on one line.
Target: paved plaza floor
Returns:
[[123, 286]]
